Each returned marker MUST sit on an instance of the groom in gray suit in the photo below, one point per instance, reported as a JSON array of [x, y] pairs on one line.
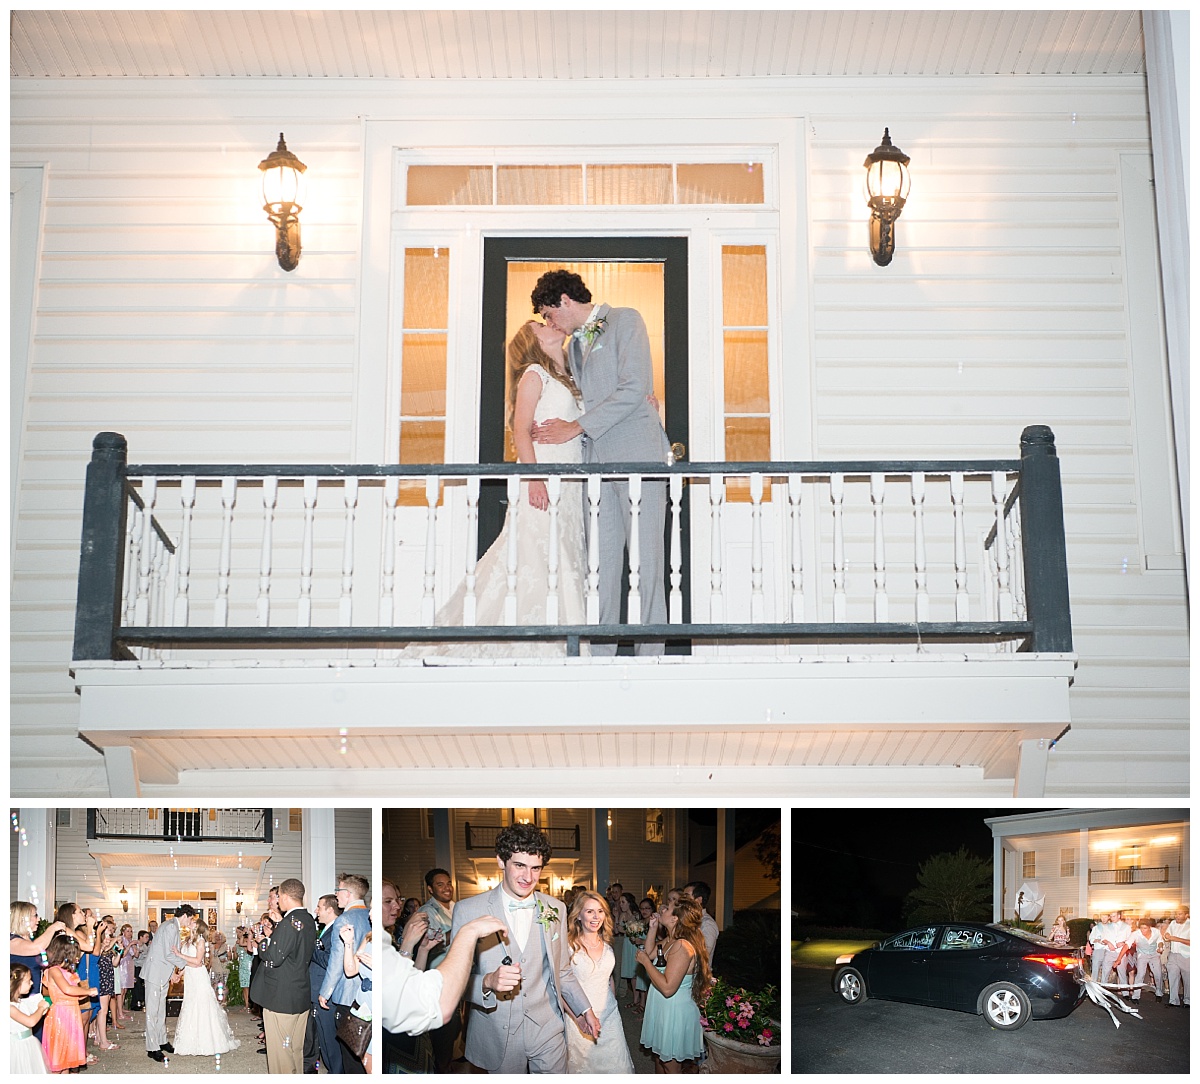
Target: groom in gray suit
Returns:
[[609, 357], [522, 979], [159, 963]]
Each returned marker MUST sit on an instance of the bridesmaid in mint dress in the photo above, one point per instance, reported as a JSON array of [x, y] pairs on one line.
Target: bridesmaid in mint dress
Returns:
[[671, 1028]]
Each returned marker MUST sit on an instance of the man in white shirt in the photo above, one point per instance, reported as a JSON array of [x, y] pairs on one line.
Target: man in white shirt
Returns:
[[1179, 963], [415, 1001], [1104, 953], [700, 891], [1144, 945]]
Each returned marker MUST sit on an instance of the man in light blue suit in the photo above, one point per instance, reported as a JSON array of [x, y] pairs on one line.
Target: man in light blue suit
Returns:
[[338, 989]]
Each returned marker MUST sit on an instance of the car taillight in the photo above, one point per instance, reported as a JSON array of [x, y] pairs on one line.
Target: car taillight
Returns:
[[1056, 961]]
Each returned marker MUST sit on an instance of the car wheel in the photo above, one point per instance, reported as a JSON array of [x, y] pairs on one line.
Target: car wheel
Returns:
[[1006, 1006], [850, 985]]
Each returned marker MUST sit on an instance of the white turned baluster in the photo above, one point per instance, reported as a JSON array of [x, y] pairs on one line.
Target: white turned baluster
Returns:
[[962, 606], [469, 599], [593, 541], [881, 599], [228, 500], [141, 609], [634, 611], [757, 605], [554, 491], [387, 564], [837, 496], [304, 606], [346, 605], [429, 597], [795, 499], [920, 558], [510, 565], [163, 594], [716, 501], [1000, 547], [183, 556], [1015, 560], [675, 485], [270, 494], [133, 561]]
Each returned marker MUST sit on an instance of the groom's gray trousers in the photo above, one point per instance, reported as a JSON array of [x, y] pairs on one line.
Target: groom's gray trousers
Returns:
[[156, 1014], [615, 532]]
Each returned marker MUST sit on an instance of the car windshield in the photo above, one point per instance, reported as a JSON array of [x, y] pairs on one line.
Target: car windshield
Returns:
[[1025, 935]]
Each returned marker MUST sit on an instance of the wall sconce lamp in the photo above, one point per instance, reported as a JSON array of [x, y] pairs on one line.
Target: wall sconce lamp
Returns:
[[281, 177], [886, 189], [237, 901], [123, 896]]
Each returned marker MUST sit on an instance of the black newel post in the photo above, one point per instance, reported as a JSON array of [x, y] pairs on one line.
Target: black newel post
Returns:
[[101, 550], [1047, 600]]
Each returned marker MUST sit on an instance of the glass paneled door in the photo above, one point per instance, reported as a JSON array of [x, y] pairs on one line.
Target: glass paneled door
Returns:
[[645, 273]]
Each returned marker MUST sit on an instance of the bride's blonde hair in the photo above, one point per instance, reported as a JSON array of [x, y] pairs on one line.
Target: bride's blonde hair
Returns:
[[198, 932], [524, 350], [575, 921]]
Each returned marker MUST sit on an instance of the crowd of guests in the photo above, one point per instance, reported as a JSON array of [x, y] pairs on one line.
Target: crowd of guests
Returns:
[[79, 982], [1134, 951], [68, 986], [460, 963]]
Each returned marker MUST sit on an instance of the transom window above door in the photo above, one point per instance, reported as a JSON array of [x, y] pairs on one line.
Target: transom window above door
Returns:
[[586, 184]]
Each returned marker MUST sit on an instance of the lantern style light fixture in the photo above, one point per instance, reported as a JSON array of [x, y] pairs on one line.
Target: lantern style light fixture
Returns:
[[886, 191], [281, 183], [237, 900], [123, 896]]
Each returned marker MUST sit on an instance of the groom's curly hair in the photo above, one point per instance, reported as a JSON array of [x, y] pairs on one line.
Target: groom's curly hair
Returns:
[[522, 839], [548, 291]]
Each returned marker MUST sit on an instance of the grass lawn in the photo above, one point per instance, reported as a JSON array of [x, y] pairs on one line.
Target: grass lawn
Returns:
[[823, 953]]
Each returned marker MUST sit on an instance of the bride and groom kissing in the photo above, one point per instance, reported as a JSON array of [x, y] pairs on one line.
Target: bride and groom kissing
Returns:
[[202, 1027], [580, 391], [538, 1000]]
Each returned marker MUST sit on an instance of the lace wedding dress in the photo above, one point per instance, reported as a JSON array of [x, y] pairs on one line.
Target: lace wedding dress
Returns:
[[610, 1054], [203, 1028], [532, 528]]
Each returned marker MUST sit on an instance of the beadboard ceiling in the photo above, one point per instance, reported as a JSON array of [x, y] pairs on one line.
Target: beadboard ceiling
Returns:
[[693, 44]]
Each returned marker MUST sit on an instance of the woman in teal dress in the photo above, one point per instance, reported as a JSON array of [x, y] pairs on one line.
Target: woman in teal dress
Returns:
[[671, 1028]]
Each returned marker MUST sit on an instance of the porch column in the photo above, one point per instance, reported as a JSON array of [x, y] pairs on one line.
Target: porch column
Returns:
[[600, 850], [120, 766], [997, 878], [1083, 867], [317, 860], [726, 861], [443, 842], [1033, 755], [36, 853]]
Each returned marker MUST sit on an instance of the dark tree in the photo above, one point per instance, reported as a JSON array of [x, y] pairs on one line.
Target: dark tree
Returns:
[[767, 849], [952, 887]]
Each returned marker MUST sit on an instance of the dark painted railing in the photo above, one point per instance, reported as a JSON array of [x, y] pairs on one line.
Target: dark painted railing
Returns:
[[482, 837], [1141, 875], [177, 825], [1026, 545]]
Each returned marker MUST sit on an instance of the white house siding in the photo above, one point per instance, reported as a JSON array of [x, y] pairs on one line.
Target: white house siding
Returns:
[[160, 313], [353, 843]]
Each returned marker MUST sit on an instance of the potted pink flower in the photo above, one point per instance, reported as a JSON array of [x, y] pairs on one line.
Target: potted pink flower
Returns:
[[739, 1034]]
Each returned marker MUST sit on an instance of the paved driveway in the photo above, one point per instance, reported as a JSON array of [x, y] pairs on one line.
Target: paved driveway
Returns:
[[830, 1036]]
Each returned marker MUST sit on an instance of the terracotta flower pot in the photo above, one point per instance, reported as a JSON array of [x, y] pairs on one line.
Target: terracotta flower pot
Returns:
[[730, 1056]]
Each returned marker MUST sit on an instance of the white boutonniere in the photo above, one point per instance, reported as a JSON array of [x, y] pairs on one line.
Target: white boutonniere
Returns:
[[547, 918], [591, 329]]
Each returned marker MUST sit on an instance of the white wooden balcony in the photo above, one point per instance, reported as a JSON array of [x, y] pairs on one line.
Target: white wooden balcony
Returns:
[[830, 624]]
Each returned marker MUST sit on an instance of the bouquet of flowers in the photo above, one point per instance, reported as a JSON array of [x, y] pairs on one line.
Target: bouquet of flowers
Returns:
[[739, 1014], [635, 928]]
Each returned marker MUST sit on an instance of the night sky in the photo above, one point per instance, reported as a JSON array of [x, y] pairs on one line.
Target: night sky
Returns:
[[853, 867]]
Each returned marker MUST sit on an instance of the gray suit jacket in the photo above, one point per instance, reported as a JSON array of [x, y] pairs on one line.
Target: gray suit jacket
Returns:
[[492, 1019], [162, 957], [615, 376]]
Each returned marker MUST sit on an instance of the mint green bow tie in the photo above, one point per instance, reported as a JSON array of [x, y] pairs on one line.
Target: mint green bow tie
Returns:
[[527, 906]]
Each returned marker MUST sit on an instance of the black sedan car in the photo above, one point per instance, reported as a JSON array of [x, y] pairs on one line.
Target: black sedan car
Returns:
[[1007, 976]]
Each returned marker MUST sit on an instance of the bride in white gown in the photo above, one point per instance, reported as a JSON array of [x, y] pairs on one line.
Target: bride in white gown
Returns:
[[203, 1027], [539, 388], [589, 938]]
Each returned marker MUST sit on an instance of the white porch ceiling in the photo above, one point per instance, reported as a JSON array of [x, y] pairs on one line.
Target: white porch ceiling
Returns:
[[546, 44], [208, 858]]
